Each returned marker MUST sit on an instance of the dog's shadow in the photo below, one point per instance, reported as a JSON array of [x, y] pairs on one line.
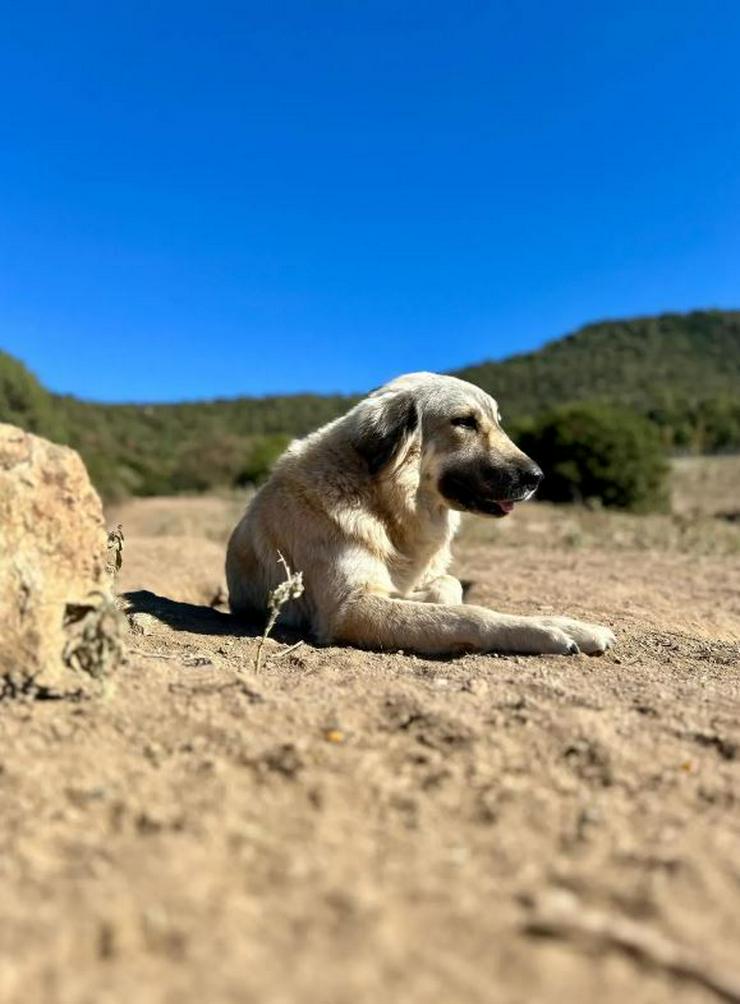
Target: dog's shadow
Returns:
[[197, 619]]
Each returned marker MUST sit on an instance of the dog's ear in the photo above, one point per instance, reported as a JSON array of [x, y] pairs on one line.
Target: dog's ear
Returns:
[[385, 424]]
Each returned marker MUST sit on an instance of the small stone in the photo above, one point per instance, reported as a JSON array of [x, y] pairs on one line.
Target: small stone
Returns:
[[476, 686], [141, 623]]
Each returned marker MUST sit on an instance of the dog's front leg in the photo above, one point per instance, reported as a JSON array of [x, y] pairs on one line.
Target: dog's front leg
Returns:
[[443, 589], [377, 620]]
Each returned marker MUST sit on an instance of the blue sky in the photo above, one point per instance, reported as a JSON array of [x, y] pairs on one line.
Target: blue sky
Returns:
[[213, 199]]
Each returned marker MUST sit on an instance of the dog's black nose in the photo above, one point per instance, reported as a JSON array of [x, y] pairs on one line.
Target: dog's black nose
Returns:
[[531, 477]]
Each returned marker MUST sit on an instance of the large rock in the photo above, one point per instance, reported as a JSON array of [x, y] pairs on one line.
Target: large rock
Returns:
[[56, 616]]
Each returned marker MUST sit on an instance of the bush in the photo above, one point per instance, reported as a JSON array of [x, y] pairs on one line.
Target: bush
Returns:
[[599, 452], [258, 463], [710, 425]]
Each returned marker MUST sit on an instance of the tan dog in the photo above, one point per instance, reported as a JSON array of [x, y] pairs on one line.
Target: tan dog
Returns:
[[366, 508]]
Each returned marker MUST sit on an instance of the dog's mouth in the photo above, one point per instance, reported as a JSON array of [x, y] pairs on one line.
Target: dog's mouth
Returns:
[[459, 494], [494, 507], [506, 505]]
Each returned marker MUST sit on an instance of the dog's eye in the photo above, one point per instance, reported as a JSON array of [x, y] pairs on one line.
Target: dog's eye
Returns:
[[466, 422]]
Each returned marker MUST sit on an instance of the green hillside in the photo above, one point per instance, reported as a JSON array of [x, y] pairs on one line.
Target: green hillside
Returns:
[[680, 370], [648, 363]]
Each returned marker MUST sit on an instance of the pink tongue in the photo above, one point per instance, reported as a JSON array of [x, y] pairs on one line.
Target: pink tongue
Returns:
[[506, 506]]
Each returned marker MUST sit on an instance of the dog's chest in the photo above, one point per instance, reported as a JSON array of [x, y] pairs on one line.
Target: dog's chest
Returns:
[[425, 546]]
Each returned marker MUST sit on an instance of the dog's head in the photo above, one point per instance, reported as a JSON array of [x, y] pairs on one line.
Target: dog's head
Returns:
[[454, 428]]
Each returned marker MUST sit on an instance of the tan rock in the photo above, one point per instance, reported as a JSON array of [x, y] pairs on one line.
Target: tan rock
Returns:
[[52, 558]]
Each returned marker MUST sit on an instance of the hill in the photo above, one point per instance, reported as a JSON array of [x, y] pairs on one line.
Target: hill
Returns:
[[648, 363], [681, 370]]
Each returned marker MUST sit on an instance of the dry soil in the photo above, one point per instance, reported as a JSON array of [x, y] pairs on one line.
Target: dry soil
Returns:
[[348, 826]]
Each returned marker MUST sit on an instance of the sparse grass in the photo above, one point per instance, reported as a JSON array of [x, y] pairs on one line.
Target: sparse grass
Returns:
[[705, 494], [211, 516], [551, 527], [706, 485]]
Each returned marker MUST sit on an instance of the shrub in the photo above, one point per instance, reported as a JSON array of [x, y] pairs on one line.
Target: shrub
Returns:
[[599, 452], [258, 463], [710, 425]]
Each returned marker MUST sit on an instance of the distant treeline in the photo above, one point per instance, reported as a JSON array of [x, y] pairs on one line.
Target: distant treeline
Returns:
[[681, 371]]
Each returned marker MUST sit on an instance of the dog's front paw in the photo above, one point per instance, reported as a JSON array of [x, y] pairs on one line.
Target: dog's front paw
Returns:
[[593, 639], [534, 637]]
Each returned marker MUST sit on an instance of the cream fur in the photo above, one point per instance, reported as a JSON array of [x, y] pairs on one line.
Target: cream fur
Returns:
[[374, 548]]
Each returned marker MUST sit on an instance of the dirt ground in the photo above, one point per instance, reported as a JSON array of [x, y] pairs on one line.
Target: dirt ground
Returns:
[[349, 826]]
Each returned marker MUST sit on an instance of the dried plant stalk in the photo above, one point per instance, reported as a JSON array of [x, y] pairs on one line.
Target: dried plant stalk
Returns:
[[289, 589]]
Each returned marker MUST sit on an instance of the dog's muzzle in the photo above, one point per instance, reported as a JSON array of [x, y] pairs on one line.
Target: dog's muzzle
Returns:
[[490, 490]]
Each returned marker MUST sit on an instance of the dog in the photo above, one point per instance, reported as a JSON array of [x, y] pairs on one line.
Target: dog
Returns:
[[367, 507]]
